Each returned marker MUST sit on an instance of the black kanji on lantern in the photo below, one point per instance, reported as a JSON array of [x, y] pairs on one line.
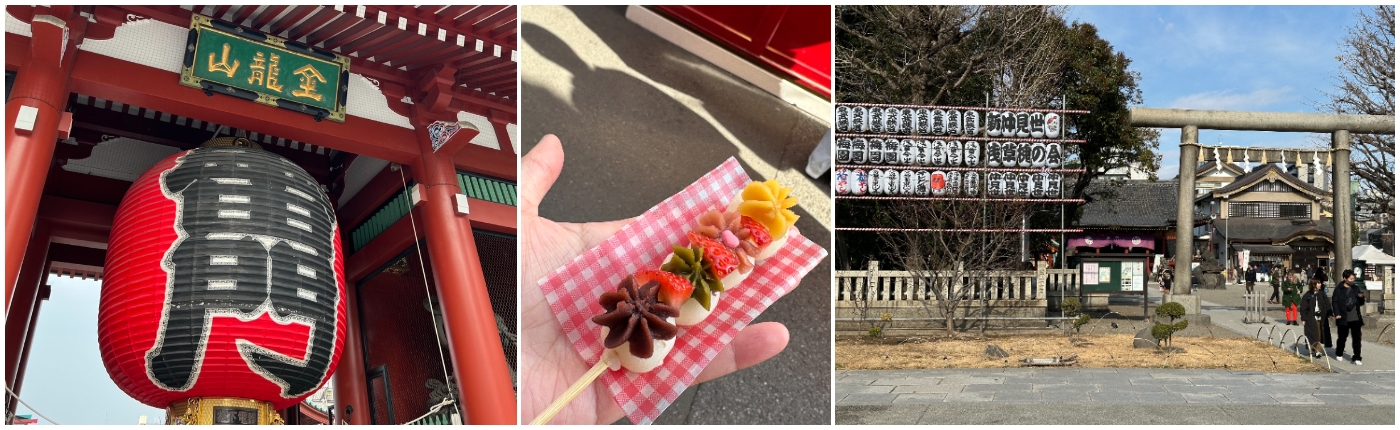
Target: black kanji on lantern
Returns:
[[255, 237]]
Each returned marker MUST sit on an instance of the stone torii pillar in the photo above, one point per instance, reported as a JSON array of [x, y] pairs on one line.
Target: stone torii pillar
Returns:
[[1189, 121]]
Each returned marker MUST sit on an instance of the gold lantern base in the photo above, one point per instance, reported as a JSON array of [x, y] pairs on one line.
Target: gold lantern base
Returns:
[[221, 410]]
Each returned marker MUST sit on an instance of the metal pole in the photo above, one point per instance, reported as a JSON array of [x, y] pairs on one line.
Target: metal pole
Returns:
[[1341, 198], [1185, 213]]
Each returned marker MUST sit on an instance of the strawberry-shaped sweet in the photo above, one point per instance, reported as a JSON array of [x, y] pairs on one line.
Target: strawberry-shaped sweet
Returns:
[[757, 232], [674, 289], [722, 260]]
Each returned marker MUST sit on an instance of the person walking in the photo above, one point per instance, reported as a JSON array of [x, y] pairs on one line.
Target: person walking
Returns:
[[1291, 297], [1346, 309], [1314, 308], [1275, 277], [1249, 278]]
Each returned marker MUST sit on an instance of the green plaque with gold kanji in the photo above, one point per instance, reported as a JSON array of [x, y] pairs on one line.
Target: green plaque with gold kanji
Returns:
[[224, 58]]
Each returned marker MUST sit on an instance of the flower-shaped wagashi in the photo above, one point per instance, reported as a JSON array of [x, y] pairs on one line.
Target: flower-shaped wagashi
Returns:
[[691, 265], [768, 202], [727, 228], [635, 316]]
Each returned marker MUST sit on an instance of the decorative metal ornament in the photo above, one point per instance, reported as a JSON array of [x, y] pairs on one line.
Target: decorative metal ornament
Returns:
[[843, 150], [1053, 125], [439, 132], [994, 123], [859, 146]]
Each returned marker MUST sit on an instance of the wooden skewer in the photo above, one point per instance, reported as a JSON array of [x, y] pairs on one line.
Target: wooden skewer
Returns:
[[607, 360]]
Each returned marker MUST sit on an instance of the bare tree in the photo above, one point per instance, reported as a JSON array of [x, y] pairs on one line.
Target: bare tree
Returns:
[[952, 270], [929, 55], [1366, 85]]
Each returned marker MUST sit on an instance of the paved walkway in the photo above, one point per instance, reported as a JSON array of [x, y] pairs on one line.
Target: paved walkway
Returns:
[[1194, 396]]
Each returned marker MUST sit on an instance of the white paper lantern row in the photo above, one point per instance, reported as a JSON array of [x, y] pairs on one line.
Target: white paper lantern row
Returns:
[[907, 121], [907, 183], [1034, 125], [1022, 184], [1025, 155], [908, 152]]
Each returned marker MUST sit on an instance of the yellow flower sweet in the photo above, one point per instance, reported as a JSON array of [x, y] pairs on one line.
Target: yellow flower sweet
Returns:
[[768, 202]]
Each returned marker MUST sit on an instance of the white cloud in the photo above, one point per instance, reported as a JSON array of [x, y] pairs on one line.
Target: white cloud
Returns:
[[1229, 100]]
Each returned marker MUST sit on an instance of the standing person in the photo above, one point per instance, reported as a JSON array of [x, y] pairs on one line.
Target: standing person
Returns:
[[1346, 309], [1320, 274], [1249, 278], [1275, 277], [1291, 289], [1315, 307]]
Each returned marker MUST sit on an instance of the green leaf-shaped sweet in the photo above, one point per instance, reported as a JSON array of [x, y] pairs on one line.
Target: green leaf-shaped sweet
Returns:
[[690, 264]]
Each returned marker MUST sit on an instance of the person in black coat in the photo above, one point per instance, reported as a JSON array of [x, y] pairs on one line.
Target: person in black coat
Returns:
[[1314, 309], [1346, 309], [1249, 278]]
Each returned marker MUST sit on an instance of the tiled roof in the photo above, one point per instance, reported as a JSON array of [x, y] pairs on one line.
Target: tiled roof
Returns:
[[1141, 204], [1258, 174], [1210, 165]]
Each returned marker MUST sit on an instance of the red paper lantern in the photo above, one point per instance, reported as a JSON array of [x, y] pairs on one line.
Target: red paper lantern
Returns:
[[224, 278]]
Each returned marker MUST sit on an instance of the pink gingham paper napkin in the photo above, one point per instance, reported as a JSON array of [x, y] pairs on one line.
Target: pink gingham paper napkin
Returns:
[[573, 290]]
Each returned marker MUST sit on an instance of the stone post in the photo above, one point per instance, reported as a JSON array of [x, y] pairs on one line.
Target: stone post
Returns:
[[1185, 212], [1341, 199]]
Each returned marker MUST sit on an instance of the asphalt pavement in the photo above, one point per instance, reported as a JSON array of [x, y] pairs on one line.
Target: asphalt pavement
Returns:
[[640, 119], [1112, 396]]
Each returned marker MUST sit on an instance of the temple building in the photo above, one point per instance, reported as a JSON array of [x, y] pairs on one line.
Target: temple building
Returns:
[[404, 116], [1278, 218]]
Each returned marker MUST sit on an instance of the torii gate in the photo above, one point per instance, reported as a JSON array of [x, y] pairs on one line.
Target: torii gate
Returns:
[[1190, 121]]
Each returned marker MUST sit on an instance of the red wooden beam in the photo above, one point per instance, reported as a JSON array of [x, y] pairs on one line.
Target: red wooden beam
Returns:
[[107, 78], [244, 12], [79, 255], [220, 11], [359, 30], [284, 23], [465, 22], [381, 250], [337, 25], [318, 19], [504, 17], [266, 16], [385, 185], [490, 162]]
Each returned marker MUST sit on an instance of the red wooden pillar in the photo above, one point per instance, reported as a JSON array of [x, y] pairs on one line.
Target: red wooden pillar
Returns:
[[40, 92], [28, 342], [350, 384], [483, 377], [27, 288]]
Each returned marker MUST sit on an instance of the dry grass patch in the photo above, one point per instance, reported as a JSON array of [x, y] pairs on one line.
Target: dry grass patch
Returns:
[[1101, 351]]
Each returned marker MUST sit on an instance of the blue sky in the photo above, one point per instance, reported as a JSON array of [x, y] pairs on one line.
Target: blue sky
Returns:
[[1257, 58], [65, 379]]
